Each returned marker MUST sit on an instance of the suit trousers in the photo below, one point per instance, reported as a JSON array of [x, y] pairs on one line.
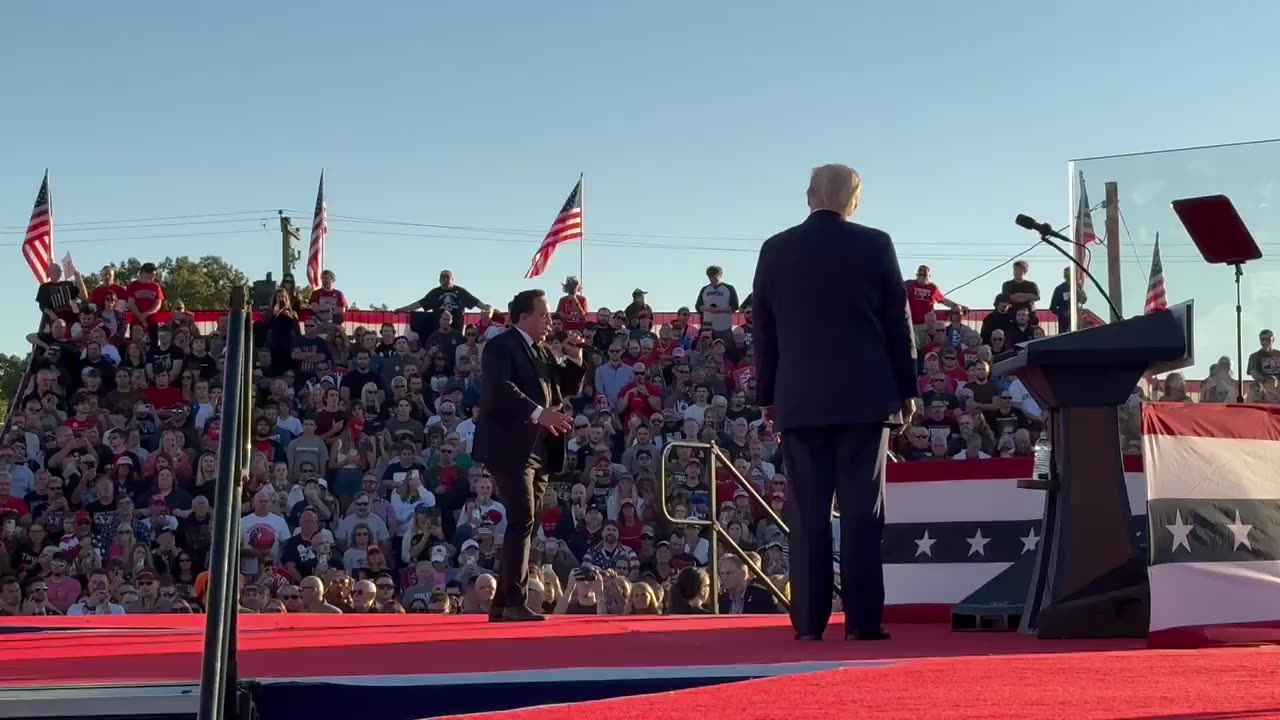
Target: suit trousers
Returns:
[[520, 493], [847, 462]]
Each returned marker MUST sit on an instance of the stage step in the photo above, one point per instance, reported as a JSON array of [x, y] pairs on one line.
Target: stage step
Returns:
[[985, 619]]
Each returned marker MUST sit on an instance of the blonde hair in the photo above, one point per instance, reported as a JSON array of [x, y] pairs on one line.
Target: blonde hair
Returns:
[[835, 187]]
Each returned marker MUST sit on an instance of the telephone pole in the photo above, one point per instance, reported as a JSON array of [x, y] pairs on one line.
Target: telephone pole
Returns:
[[290, 239], [1113, 248]]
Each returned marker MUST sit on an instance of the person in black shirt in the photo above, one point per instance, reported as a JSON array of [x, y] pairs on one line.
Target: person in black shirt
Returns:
[[450, 298], [1022, 292], [938, 391], [357, 377], [200, 361], [165, 357], [1006, 418], [445, 340], [58, 298], [1060, 303], [999, 319]]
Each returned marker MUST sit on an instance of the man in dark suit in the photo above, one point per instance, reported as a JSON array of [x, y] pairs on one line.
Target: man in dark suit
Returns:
[[520, 435], [835, 360]]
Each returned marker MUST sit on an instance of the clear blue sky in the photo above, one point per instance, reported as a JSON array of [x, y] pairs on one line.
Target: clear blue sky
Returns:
[[688, 119]]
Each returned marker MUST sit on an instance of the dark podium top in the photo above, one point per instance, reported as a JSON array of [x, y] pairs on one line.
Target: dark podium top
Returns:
[[1101, 365]]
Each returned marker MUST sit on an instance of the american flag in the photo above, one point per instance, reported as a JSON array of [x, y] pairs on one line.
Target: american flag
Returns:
[[566, 228], [1085, 234], [1084, 218], [37, 247], [319, 229], [1156, 300]]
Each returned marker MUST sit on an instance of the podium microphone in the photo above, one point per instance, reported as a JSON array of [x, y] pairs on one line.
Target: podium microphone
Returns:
[[1046, 232]]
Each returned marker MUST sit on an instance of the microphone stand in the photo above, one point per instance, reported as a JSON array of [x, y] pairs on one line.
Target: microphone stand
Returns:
[[1239, 343], [1046, 239]]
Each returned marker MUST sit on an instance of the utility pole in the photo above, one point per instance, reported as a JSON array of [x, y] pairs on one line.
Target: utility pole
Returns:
[[290, 239], [1113, 249]]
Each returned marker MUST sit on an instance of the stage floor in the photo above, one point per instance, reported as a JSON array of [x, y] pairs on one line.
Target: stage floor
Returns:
[[430, 666], [132, 650]]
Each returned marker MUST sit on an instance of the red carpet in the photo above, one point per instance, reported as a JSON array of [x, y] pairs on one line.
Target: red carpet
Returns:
[[1217, 684], [166, 648], [925, 673]]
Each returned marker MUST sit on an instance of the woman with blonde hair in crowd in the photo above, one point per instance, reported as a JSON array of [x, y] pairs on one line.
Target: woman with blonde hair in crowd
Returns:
[[642, 600]]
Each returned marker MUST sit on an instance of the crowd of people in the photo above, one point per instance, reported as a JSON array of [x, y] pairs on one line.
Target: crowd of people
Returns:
[[362, 494]]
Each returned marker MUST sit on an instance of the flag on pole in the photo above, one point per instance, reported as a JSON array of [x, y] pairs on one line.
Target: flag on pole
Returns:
[[1214, 512], [567, 227], [37, 247], [319, 229], [1085, 234], [1156, 300]]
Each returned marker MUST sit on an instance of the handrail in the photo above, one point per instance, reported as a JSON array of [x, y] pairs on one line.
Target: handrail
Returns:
[[718, 533], [218, 672], [28, 377]]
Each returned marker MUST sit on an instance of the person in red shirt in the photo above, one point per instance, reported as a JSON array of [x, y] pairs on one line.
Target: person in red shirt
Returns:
[[162, 396], [573, 307], [327, 296], [922, 297], [83, 419], [109, 287], [146, 296], [11, 507], [642, 397]]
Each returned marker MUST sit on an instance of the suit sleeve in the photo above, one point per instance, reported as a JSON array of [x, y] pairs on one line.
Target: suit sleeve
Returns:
[[569, 377], [896, 320], [764, 339], [505, 399]]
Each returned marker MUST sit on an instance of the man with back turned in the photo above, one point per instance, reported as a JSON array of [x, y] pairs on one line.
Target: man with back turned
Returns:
[[520, 436], [829, 302]]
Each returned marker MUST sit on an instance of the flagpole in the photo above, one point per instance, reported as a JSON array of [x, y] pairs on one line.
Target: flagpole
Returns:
[[1073, 273], [582, 223]]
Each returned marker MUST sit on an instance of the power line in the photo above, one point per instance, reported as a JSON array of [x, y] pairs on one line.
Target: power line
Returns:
[[62, 229], [172, 236], [113, 223]]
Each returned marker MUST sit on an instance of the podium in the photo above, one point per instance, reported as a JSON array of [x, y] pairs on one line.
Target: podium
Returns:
[[1090, 579]]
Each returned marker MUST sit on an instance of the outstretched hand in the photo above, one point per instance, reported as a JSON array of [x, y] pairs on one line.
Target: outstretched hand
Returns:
[[556, 423]]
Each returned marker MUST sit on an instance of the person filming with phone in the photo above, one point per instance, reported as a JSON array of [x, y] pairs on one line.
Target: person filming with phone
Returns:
[[521, 434]]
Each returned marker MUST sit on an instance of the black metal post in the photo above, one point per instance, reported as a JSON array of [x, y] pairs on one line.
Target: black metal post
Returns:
[[1239, 341], [219, 636]]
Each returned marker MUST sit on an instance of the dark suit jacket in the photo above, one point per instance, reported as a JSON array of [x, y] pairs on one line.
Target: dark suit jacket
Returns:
[[757, 601], [518, 379], [832, 334]]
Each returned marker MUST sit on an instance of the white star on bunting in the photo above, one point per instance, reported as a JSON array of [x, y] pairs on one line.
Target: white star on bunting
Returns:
[[978, 544], [1181, 532], [924, 546], [1241, 532], [1029, 542]]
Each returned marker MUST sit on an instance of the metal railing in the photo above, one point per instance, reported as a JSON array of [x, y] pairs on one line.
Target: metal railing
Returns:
[[219, 676], [720, 534], [25, 383]]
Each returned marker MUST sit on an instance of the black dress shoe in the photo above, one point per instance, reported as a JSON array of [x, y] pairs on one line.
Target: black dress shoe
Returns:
[[516, 614], [808, 637], [868, 634]]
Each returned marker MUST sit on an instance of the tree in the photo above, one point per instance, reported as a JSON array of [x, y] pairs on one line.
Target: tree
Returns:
[[11, 370], [203, 284]]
